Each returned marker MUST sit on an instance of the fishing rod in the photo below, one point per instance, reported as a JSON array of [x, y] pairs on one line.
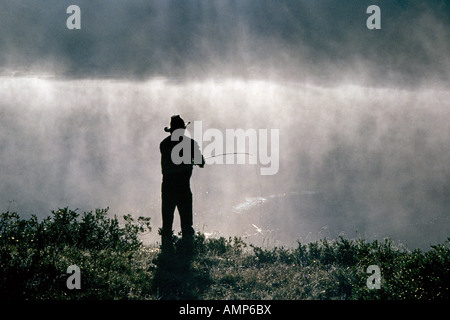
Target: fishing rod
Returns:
[[224, 154], [228, 153]]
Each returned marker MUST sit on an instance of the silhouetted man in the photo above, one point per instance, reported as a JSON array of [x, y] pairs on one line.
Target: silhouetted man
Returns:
[[178, 155]]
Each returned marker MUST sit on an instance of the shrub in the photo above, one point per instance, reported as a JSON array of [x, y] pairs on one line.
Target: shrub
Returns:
[[34, 255]]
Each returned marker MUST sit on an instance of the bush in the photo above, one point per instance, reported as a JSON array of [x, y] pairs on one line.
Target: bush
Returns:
[[34, 256]]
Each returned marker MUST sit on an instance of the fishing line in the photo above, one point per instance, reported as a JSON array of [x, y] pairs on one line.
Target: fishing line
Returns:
[[224, 154], [244, 153], [256, 173]]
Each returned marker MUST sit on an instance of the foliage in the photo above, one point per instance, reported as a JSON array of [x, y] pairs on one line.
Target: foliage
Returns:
[[34, 256], [335, 270]]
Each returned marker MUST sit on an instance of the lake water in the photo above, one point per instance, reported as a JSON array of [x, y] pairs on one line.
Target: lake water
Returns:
[[354, 160]]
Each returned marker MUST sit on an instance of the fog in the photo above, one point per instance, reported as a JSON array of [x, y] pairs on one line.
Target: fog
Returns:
[[362, 116], [352, 159]]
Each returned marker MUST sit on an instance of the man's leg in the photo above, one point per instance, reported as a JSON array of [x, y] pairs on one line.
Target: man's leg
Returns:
[[185, 209], [168, 209]]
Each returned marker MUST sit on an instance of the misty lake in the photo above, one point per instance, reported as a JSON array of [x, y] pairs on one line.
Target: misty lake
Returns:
[[354, 160]]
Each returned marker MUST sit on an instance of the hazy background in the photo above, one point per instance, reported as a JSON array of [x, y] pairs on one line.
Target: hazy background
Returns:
[[363, 114]]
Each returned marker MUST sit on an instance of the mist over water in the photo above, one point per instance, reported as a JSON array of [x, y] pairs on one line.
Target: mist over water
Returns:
[[362, 114], [369, 162]]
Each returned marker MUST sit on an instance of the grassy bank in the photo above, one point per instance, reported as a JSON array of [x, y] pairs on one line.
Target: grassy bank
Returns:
[[35, 255]]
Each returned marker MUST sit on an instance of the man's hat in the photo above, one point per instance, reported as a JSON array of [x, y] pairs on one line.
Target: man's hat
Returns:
[[176, 123]]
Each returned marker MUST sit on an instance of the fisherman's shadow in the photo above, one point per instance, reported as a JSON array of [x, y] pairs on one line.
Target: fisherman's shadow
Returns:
[[176, 278]]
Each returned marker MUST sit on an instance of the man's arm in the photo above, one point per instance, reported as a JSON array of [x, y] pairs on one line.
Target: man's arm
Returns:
[[198, 158]]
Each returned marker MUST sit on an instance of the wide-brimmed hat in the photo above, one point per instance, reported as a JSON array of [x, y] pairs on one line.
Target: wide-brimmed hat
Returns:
[[176, 122]]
